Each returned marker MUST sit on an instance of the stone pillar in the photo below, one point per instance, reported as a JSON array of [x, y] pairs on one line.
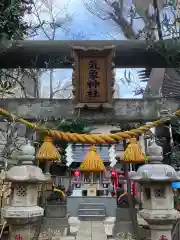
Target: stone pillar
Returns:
[[22, 214], [158, 198]]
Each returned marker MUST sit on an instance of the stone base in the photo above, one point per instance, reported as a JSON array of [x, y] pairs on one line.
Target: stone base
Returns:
[[109, 226], [74, 224], [49, 233], [27, 231], [123, 214], [55, 211], [55, 226], [124, 226]]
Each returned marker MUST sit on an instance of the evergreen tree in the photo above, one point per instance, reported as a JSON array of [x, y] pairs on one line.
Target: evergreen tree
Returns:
[[12, 24]]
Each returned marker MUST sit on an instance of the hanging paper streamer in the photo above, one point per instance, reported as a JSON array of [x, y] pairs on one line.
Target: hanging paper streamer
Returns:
[[69, 154], [112, 156]]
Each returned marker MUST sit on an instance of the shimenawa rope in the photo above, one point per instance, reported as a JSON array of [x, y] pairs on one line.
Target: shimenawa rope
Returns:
[[89, 138]]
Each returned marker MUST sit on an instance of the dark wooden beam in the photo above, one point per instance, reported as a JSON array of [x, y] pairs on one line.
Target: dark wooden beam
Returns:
[[57, 54], [125, 110]]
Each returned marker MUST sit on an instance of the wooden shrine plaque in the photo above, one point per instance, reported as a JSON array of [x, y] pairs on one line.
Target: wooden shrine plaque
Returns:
[[92, 80], [93, 77]]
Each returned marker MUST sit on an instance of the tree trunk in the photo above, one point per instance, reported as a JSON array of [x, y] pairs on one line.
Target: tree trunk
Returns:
[[51, 84]]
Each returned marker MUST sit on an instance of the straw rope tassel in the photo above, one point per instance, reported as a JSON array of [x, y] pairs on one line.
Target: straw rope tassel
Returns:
[[92, 161], [47, 151], [133, 153]]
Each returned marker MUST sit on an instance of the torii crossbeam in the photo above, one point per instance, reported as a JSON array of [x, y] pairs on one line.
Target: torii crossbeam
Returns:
[[57, 54], [125, 110]]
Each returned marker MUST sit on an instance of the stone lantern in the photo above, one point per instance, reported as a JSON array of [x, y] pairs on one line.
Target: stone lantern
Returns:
[[22, 214], [158, 198]]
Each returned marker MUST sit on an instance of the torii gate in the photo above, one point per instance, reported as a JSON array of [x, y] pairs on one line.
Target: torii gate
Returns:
[[57, 54]]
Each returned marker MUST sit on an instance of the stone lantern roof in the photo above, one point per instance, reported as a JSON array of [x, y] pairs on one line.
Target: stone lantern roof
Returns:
[[155, 171], [25, 173]]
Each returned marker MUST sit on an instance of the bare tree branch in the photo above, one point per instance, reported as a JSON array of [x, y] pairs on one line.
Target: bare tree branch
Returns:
[[111, 10], [52, 24]]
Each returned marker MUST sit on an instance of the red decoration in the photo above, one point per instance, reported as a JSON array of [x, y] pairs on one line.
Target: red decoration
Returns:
[[113, 173], [77, 173], [19, 237], [114, 179], [120, 174], [163, 237], [133, 188]]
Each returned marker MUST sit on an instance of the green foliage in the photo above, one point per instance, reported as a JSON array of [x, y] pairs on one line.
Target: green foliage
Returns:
[[12, 25], [75, 126], [175, 153], [176, 200], [129, 126], [169, 50]]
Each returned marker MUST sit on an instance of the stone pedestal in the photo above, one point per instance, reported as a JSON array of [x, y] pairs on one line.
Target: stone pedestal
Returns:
[[55, 221], [24, 229], [74, 224], [22, 214], [123, 222], [158, 231], [109, 224]]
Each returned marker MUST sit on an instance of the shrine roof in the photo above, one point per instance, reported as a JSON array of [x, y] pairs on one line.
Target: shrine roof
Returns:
[[79, 151], [163, 81]]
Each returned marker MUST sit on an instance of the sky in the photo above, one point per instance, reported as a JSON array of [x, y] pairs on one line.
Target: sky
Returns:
[[83, 24]]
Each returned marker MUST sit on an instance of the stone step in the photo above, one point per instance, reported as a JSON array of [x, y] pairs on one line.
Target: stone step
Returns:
[[91, 211], [56, 211], [91, 217], [83, 205]]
